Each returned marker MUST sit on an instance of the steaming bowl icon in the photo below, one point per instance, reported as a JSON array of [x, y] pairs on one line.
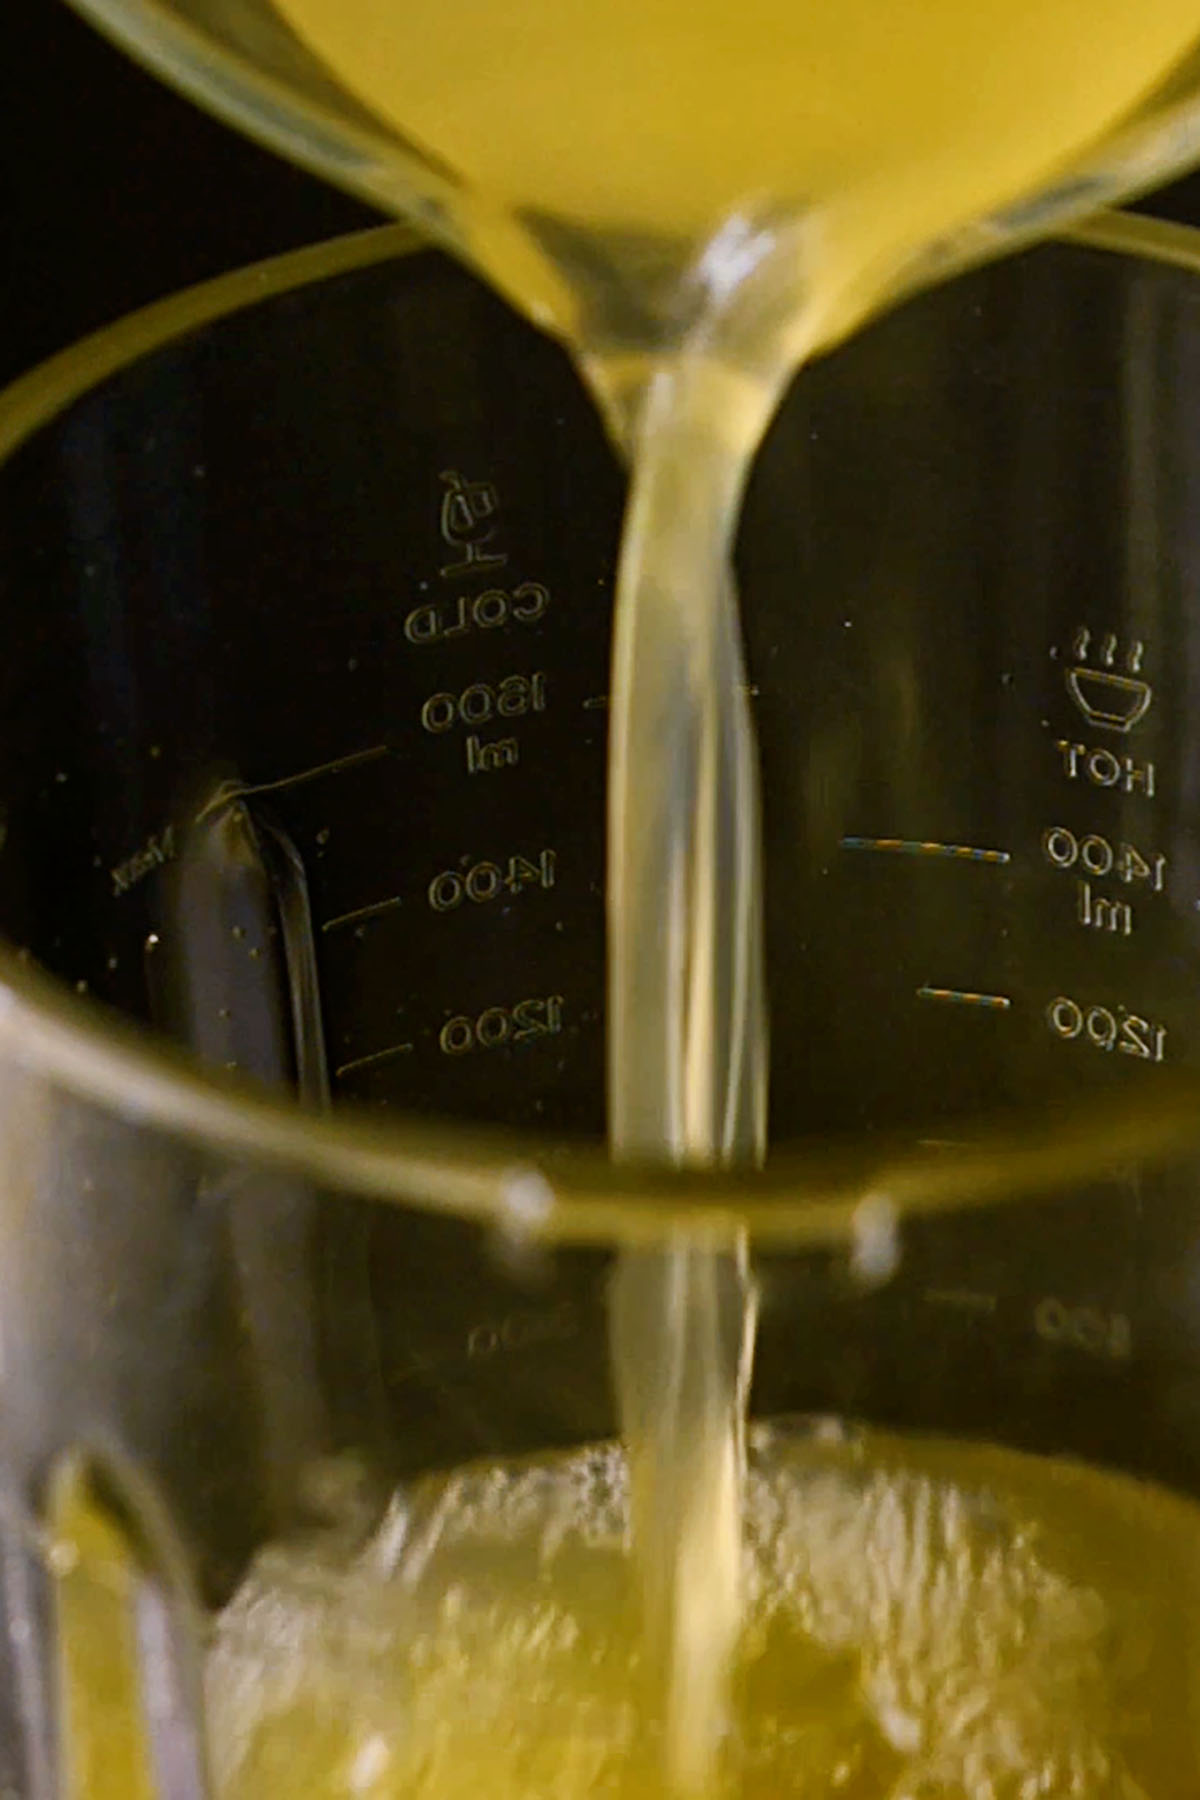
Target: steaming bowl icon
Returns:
[[1115, 702]]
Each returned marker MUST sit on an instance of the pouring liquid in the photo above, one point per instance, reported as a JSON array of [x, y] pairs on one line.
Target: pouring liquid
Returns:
[[737, 187]]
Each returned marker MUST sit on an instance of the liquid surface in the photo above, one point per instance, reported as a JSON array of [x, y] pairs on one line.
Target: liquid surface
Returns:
[[923, 1619], [887, 124]]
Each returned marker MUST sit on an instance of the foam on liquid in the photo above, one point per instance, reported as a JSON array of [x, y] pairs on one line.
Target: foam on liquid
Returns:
[[923, 1621]]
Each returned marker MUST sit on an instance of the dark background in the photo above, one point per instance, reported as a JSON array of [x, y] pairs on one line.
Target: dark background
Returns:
[[113, 191]]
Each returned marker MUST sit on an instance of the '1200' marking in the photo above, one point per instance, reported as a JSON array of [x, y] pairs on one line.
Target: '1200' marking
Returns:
[[1107, 1028]]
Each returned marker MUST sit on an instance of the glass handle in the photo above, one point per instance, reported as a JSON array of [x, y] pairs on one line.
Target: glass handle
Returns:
[[126, 1645]]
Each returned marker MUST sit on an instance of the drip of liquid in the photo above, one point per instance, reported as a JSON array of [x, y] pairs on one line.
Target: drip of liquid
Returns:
[[719, 189]]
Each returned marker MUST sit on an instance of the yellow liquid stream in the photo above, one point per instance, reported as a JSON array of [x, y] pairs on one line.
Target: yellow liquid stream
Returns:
[[925, 1620]]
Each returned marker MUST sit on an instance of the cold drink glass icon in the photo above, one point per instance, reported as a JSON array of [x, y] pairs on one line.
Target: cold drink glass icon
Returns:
[[1106, 698], [469, 517]]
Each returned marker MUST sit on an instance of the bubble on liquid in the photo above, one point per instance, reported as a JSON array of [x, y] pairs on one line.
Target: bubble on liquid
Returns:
[[62, 1557], [370, 1763], [392, 1535], [901, 1729]]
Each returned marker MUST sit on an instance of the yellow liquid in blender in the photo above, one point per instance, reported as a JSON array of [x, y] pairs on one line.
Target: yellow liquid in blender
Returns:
[[923, 1621], [929, 1644]]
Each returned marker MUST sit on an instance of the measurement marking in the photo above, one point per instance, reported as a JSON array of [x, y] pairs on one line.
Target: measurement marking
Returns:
[[599, 702], [363, 912], [921, 847], [244, 791], [376, 1056], [957, 997], [964, 1299]]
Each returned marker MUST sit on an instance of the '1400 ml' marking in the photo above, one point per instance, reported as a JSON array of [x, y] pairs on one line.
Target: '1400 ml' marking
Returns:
[[1098, 913]]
